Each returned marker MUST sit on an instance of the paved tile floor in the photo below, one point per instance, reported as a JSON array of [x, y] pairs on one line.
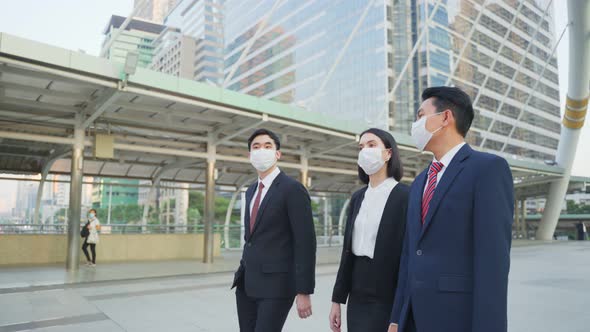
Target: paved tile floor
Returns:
[[549, 291]]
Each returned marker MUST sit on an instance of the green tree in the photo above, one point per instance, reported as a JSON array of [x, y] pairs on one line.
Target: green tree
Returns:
[[573, 208], [121, 214], [197, 202]]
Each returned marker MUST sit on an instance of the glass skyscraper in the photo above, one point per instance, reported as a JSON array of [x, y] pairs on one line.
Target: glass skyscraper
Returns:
[[137, 36], [343, 58], [500, 53], [202, 21], [298, 57]]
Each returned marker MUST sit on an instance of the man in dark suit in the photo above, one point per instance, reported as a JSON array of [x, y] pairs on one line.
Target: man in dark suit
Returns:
[[456, 256], [278, 262]]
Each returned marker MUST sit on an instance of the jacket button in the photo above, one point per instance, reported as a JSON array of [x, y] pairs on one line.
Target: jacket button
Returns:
[[419, 252]]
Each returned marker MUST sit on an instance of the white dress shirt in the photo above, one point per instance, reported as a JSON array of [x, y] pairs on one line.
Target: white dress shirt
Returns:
[[268, 180], [446, 160], [366, 225]]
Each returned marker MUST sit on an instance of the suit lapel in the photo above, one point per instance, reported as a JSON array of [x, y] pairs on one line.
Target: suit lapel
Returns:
[[447, 180], [386, 219], [270, 196]]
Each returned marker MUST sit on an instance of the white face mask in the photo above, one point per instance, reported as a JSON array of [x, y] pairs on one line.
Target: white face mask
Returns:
[[371, 160], [263, 159], [420, 134]]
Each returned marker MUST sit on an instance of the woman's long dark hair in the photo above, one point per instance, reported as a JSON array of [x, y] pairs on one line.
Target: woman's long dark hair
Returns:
[[394, 165]]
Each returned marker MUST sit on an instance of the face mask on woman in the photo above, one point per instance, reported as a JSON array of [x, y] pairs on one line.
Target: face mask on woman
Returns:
[[371, 160], [91, 215]]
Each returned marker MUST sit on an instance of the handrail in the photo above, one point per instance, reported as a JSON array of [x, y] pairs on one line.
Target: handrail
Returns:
[[331, 238]]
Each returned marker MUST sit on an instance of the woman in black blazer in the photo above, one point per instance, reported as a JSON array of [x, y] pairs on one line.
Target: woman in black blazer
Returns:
[[372, 247]]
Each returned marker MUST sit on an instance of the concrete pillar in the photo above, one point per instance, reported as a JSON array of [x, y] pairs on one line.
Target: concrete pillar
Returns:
[[228, 213], [523, 221], [305, 171], [575, 112], [39, 197], [209, 204], [167, 211], [342, 218], [146, 208], [73, 255], [181, 208], [44, 173], [327, 221], [110, 208], [516, 218]]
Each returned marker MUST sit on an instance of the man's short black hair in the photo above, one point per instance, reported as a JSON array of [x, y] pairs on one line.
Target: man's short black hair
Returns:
[[454, 99], [261, 132]]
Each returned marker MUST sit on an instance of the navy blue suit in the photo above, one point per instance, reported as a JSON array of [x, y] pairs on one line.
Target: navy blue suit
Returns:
[[454, 268]]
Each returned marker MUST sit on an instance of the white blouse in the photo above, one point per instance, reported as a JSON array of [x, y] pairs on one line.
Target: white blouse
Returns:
[[366, 225]]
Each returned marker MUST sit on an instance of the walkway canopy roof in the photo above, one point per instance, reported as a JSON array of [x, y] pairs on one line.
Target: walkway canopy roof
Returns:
[[162, 125]]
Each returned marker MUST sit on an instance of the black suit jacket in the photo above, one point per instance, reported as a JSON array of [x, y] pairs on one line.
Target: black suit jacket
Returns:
[[279, 256], [388, 248]]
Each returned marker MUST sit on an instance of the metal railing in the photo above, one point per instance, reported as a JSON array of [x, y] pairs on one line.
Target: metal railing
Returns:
[[231, 236], [112, 228]]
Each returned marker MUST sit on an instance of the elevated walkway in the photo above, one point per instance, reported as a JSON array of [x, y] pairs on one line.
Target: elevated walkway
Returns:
[[204, 302], [19, 279]]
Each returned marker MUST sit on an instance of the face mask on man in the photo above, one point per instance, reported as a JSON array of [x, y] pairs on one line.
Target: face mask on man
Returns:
[[420, 135], [371, 160], [263, 159]]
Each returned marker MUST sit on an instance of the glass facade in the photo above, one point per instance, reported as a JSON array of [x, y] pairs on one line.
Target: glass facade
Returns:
[[294, 58], [137, 36], [115, 192], [202, 20], [498, 51]]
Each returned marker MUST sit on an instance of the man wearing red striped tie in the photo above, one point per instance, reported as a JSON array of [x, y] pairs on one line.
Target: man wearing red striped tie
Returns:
[[456, 256], [278, 261]]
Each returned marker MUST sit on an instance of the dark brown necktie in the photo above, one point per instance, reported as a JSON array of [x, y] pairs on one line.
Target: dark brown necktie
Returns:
[[256, 206]]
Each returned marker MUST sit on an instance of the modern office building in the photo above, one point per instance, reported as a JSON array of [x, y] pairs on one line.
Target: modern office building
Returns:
[[26, 193], [154, 10], [196, 26], [304, 55], [344, 58], [114, 192], [174, 54], [500, 52], [138, 36]]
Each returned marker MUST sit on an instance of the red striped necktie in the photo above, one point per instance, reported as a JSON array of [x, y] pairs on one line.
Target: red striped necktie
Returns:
[[433, 171], [255, 207]]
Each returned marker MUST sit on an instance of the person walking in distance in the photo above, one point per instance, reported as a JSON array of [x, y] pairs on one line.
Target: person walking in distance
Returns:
[[92, 239]]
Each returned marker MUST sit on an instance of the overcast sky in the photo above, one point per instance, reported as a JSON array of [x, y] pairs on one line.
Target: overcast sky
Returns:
[[78, 25]]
